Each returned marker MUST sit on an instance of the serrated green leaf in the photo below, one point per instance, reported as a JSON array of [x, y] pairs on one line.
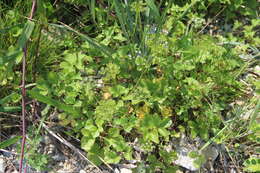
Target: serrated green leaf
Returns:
[[118, 90], [87, 142], [152, 136], [105, 110], [163, 132], [111, 156]]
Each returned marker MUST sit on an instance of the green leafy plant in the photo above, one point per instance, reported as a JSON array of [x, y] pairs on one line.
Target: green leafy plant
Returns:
[[252, 165], [127, 72]]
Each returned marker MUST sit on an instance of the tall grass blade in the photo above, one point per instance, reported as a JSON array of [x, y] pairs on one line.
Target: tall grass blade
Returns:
[[106, 50], [255, 113], [121, 16], [9, 142], [26, 33], [92, 10], [154, 10], [10, 57], [55, 103], [5, 30], [7, 99], [10, 109]]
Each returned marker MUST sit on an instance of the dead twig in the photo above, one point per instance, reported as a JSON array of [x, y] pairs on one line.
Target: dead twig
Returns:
[[207, 24], [72, 147]]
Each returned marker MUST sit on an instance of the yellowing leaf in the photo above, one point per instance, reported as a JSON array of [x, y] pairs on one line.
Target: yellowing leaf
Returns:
[[140, 115], [166, 111], [142, 111], [106, 95]]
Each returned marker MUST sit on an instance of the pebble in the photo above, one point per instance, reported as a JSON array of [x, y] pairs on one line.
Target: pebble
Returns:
[[123, 170], [184, 147], [2, 165], [82, 171]]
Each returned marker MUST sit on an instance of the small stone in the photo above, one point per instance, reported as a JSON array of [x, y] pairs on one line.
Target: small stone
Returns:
[[125, 170], [246, 115], [117, 170], [179, 171], [59, 157], [183, 147], [82, 171], [46, 139], [184, 160], [2, 165], [257, 69]]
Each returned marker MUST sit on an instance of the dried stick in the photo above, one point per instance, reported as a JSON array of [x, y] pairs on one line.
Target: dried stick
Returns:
[[24, 95], [212, 19], [72, 147]]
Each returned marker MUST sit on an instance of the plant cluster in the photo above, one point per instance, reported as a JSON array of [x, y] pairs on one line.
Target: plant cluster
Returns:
[[141, 74]]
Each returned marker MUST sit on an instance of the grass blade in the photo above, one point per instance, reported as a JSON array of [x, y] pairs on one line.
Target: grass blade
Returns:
[[92, 10], [5, 30], [106, 50], [120, 14], [11, 56], [255, 113], [154, 10], [10, 109], [9, 142], [55, 103], [26, 33], [8, 98]]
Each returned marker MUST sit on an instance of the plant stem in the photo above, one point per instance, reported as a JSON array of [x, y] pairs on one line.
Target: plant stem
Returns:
[[24, 95]]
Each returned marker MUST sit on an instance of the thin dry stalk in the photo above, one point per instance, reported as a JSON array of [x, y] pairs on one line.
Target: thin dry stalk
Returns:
[[24, 95], [72, 147]]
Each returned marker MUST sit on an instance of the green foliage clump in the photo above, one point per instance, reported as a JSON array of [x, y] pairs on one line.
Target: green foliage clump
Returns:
[[139, 74]]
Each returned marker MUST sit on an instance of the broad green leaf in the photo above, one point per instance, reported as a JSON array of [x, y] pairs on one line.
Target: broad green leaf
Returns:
[[111, 156], [165, 123], [105, 110], [114, 132], [118, 90], [118, 143], [95, 154], [164, 132], [9, 142], [87, 143], [90, 130], [47, 100], [151, 136]]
